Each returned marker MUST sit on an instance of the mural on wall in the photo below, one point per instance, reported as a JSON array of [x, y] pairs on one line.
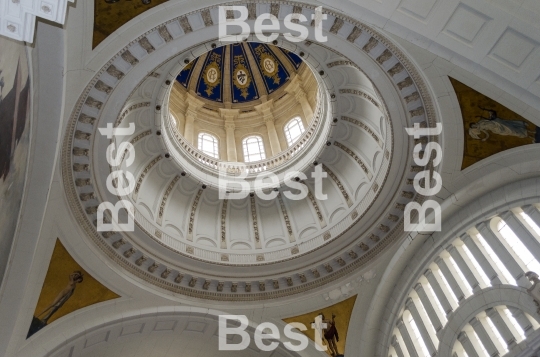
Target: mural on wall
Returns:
[[15, 103], [337, 319], [67, 288], [109, 17], [490, 127]]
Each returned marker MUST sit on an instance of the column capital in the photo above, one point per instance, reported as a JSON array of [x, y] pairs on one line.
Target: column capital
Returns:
[[462, 336], [428, 272], [418, 286]]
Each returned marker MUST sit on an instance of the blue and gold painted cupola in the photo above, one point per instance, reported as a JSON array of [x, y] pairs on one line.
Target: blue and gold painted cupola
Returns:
[[240, 72]]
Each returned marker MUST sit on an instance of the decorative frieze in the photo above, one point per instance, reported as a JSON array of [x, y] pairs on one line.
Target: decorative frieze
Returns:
[[152, 268], [412, 97], [327, 236], [393, 218], [315, 273], [129, 110], [165, 274], [355, 157], [407, 194], [286, 218], [220, 286], [247, 287], [192, 214], [385, 56], [360, 94], [407, 82], [108, 235], [86, 119], [384, 228], [192, 282], [81, 135], [255, 222], [190, 250], [289, 281], [262, 286], [146, 45], [102, 87], [93, 103], [87, 196], [364, 246], [165, 34], [364, 127], [275, 284], [328, 268], [400, 206], [128, 253], [398, 68], [80, 152], [341, 262], [143, 175], [354, 215], [141, 260], [178, 278], [91, 210], [355, 33], [166, 197], [184, 23], [417, 112], [129, 58], [119, 243], [224, 224], [374, 238], [234, 287], [207, 19], [274, 9], [302, 277], [338, 184], [295, 250], [337, 25], [317, 209], [353, 254], [206, 284], [372, 43], [115, 72], [82, 182], [224, 257]]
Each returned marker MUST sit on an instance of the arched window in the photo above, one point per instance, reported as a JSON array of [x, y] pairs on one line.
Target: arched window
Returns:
[[293, 130], [208, 144], [253, 149]]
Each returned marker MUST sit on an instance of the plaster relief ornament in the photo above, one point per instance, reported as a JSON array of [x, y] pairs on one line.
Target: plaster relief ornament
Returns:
[[268, 64], [534, 290], [241, 77], [212, 73]]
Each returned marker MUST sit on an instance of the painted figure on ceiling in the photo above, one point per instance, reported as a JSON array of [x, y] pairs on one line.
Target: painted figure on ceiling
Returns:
[[38, 323], [74, 278], [499, 126], [330, 334]]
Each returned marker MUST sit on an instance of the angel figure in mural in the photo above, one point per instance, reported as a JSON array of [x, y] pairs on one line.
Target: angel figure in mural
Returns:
[[499, 126], [74, 278]]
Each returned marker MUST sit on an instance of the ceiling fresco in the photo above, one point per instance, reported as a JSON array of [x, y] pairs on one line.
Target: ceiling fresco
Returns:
[[490, 127], [67, 288], [254, 70], [110, 17]]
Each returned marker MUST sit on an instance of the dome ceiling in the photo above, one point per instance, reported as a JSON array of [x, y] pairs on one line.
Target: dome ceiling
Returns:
[[188, 240], [253, 69]]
